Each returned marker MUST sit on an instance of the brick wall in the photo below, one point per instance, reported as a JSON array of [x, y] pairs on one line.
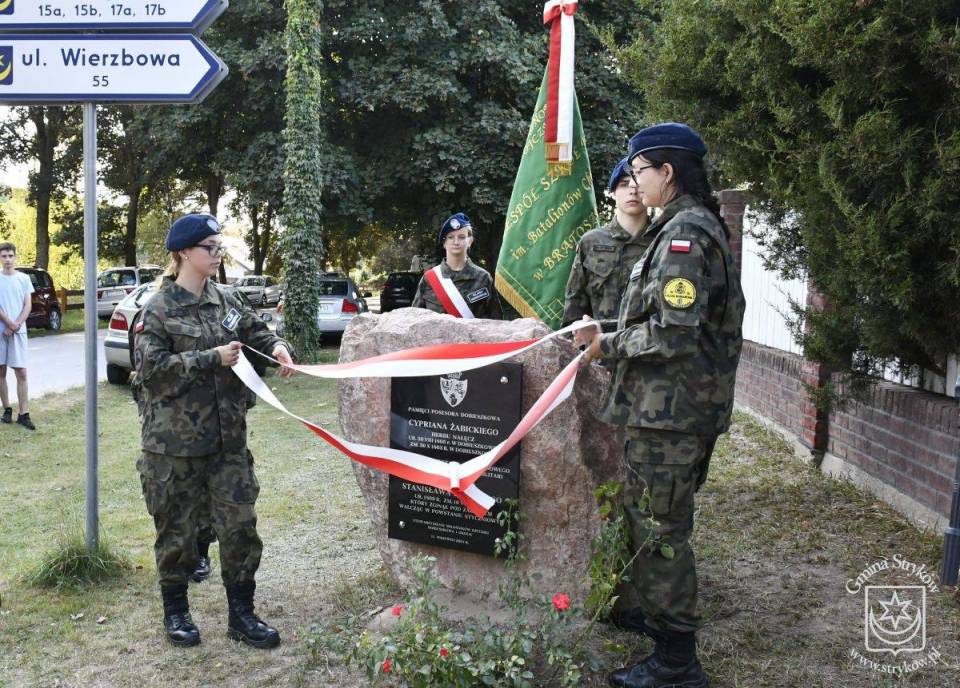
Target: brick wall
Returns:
[[905, 437], [733, 204], [768, 382]]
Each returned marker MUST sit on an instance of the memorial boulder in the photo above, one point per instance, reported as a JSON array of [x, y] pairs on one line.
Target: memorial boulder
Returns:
[[559, 464]]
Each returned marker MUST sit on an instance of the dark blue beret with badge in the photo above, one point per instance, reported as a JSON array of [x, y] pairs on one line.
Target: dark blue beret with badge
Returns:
[[619, 172], [452, 224], [190, 230], [667, 135]]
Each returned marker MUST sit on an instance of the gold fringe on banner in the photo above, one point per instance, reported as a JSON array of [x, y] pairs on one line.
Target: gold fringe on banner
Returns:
[[513, 298]]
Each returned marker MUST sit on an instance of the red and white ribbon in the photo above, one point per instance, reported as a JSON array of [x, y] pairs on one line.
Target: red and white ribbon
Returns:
[[450, 297], [434, 359], [450, 476], [558, 134]]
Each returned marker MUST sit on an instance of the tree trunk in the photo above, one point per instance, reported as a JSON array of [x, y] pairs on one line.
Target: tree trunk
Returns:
[[255, 239], [130, 237], [42, 180], [266, 237], [214, 189]]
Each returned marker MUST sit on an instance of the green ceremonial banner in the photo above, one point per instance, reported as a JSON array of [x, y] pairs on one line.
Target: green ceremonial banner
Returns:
[[548, 214]]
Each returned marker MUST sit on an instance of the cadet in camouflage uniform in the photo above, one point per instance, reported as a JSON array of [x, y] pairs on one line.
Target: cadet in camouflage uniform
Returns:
[[195, 459], [676, 351], [606, 256], [473, 282]]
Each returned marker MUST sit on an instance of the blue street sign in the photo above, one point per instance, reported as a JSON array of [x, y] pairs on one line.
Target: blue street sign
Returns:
[[192, 16], [95, 68]]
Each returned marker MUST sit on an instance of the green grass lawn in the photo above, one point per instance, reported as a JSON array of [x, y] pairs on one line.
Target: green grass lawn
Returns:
[[776, 543], [311, 518], [72, 321]]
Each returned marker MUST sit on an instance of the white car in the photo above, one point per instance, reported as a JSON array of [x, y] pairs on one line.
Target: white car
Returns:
[[118, 345], [116, 284]]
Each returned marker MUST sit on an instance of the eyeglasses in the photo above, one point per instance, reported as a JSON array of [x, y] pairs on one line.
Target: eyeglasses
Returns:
[[215, 250], [634, 172]]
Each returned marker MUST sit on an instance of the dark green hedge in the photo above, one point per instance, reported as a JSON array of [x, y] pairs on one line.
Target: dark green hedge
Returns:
[[842, 118]]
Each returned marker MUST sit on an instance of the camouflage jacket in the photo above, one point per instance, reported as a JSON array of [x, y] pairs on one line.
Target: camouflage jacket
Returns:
[[678, 337], [473, 282], [601, 270], [192, 405]]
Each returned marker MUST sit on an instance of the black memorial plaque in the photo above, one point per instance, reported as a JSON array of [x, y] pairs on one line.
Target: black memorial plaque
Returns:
[[454, 418]]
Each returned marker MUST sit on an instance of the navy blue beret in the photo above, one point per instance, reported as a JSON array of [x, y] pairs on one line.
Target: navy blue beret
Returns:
[[619, 172], [190, 230], [452, 224], [666, 135]]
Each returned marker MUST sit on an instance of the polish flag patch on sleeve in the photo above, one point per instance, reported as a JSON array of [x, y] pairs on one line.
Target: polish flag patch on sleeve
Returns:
[[680, 246], [139, 328]]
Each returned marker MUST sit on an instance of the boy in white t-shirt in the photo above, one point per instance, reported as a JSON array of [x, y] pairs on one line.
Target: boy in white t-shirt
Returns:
[[15, 306]]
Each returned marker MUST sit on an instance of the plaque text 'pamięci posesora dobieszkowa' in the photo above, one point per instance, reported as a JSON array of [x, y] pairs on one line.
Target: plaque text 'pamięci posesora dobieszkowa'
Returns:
[[454, 418]]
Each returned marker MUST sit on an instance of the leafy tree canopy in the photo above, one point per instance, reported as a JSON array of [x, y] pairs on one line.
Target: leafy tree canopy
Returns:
[[430, 105], [843, 118]]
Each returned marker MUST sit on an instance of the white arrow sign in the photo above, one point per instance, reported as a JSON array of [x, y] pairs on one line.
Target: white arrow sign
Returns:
[[165, 68], [55, 15]]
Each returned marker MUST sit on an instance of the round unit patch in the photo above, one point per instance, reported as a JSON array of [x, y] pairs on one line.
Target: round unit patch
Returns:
[[680, 293]]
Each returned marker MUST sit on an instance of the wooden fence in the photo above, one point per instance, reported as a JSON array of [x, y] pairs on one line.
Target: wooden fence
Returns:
[[64, 295]]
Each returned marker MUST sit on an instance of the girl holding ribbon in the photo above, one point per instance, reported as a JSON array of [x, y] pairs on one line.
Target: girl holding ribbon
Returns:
[[675, 354], [457, 286], [194, 457]]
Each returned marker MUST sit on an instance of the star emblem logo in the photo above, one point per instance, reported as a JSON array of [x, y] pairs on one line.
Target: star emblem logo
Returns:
[[895, 610]]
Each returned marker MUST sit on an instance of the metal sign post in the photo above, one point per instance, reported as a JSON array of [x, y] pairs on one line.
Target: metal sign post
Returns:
[[90, 319], [90, 68]]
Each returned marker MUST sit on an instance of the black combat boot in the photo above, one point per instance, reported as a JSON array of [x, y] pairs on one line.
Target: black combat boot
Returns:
[[176, 616], [202, 572], [243, 624], [673, 664]]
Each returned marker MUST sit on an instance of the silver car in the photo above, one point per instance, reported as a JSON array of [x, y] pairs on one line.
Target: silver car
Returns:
[[118, 345], [116, 284], [340, 302], [260, 289]]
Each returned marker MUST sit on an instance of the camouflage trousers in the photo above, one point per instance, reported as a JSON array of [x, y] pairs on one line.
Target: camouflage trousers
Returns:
[[181, 491], [664, 470]]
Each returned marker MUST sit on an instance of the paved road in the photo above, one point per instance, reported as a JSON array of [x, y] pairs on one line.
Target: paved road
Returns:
[[56, 363]]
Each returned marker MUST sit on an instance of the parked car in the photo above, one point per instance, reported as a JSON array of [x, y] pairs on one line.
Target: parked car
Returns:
[[260, 289], [340, 302], [46, 308], [115, 284], [118, 345], [398, 291]]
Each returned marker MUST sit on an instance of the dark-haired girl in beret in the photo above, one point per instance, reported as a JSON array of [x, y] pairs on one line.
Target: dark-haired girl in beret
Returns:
[[675, 354]]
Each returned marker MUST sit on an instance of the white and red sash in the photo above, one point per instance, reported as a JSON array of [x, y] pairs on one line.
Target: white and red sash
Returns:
[[558, 134], [450, 297], [455, 478]]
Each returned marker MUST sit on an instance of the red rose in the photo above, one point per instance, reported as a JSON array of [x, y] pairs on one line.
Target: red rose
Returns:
[[385, 667], [444, 652], [396, 611], [561, 601]]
